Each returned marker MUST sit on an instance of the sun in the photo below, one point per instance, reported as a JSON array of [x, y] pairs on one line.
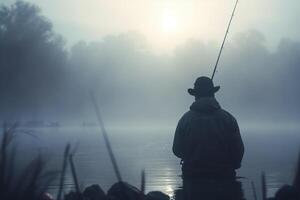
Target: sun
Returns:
[[169, 22]]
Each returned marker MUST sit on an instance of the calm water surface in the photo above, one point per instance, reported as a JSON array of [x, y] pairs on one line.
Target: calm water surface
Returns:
[[274, 152]]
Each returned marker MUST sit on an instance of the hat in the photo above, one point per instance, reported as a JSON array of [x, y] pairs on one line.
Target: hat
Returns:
[[203, 86]]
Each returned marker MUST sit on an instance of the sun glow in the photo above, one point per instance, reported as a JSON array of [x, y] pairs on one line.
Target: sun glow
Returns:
[[169, 22]]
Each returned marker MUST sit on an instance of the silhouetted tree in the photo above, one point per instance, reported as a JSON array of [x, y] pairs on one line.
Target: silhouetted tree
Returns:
[[32, 59]]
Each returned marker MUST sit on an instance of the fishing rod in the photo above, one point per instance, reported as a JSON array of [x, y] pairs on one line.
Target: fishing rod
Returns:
[[227, 30]]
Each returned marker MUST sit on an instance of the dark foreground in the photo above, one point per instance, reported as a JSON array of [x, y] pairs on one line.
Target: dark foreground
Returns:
[[33, 182]]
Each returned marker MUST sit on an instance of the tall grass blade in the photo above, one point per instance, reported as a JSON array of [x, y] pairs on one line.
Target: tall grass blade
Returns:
[[264, 186], [143, 181], [106, 139], [6, 139], [63, 171], [254, 190], [74, 175], [297, 176]]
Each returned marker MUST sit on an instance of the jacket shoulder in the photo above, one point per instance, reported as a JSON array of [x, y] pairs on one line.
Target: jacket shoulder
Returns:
[[185, 117], [227, 116]]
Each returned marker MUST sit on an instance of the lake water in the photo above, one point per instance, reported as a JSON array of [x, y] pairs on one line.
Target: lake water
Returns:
[[274, 152]]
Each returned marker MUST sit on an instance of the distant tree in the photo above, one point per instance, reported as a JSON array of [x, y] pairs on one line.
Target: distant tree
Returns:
[[32, 60]]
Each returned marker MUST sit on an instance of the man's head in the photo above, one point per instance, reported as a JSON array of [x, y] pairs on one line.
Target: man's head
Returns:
[[203, 87]]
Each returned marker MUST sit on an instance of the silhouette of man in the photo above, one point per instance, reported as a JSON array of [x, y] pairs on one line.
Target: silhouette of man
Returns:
[[207, 138]]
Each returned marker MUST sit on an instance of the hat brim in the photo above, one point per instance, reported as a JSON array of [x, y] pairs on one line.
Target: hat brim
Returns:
[[195, 92]]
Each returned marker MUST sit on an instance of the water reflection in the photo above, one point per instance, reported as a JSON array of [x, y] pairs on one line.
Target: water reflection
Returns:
[[273, 182], [152, 151]]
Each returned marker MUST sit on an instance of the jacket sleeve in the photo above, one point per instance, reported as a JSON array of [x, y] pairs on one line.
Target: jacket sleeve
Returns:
[[178, 139], [237, 145]]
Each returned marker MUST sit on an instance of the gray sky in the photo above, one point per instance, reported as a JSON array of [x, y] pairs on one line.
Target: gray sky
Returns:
[[257, 81], [167, 23]]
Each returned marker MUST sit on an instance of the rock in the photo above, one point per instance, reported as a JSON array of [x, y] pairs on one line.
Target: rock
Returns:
[[46, 196], [94, 192], [287, 192], [157, 195], [74, 196], [124, 191]]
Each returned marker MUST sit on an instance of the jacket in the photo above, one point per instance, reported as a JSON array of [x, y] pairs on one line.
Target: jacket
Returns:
[[208, 138]]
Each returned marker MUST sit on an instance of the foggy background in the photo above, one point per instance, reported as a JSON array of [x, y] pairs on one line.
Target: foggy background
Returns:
[[43, 77], [139, 60]]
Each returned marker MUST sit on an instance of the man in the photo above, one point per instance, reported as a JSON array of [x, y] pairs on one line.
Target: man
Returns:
[[207, 138]]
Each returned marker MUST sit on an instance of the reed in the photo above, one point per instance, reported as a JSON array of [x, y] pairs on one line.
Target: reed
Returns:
[[254, 190], [31, 182], [63, 172], [297, 175], [143, 181], [143, 185], [263, 186], [106, 138], [74, 174]]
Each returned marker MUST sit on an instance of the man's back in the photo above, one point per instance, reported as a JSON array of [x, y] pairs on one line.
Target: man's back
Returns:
[[208, 138]]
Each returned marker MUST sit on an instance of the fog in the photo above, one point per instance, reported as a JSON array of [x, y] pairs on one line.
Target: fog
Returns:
[[42, 79]]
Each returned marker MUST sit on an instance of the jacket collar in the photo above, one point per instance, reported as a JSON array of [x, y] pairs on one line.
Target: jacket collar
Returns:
[[206, 104]]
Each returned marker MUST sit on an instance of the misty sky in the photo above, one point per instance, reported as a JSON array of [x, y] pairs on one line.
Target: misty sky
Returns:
[[167, 23], [118, 51]]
